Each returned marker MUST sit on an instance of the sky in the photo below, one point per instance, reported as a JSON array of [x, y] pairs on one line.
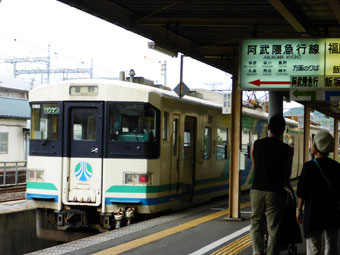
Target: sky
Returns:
[[29, 27]]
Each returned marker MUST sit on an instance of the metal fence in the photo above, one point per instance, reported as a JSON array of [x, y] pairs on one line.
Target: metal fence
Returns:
[[12, 173]]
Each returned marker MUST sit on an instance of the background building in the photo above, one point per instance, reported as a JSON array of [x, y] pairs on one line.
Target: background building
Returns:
[[14, 119]]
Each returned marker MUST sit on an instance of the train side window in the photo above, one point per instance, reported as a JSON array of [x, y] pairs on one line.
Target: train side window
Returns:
[[174, 136], [246, 141], [187, 139], [207, 143], [222, 142], [165, 125]]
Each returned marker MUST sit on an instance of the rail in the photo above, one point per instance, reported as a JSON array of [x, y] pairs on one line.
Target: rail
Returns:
[[12, 173]]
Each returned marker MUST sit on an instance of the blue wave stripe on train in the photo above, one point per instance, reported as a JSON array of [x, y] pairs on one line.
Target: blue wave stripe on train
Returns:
[[164, 199]]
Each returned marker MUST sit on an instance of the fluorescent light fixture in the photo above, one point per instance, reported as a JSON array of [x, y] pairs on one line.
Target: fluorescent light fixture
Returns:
[[154, 46]]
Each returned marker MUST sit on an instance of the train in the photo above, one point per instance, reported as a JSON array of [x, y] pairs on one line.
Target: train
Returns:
[[102, 152]]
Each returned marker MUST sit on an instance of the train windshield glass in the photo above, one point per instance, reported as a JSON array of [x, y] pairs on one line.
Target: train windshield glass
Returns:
[[133, 122], [45, 121]]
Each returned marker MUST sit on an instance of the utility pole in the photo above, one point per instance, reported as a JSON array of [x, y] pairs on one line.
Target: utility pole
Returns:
[[49, 64], [164, 69], [181, 78]]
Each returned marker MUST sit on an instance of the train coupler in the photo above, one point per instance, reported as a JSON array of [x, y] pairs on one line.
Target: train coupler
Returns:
[[71, 218], [119, 215], [129, 215]]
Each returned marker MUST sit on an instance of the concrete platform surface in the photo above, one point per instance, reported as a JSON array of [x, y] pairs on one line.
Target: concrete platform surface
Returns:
[[203, 229]]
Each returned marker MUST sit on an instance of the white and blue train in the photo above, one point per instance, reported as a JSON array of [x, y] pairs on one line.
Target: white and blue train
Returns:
[[102, 151]]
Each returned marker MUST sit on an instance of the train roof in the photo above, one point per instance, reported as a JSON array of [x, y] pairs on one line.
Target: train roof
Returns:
[[109, 90], [63, 88]]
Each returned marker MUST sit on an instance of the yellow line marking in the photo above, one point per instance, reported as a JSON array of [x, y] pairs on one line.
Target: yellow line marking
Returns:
[[235, 247], [165, 233]]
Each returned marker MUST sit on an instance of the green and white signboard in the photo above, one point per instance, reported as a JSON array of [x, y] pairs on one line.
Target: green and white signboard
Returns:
[[290, 64]]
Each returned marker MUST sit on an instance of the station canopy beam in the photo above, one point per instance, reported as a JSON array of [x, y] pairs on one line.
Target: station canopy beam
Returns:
[[287, 9]]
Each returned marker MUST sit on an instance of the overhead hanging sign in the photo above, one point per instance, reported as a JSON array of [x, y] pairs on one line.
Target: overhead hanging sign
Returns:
[[277, 64], [332, 95], [307, 95], [226, 109], [314, 95]]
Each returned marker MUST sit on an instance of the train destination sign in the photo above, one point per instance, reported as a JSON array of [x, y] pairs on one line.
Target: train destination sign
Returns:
[[277, 64]]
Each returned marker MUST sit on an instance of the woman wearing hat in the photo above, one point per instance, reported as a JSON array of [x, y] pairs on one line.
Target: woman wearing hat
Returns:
[[318, 189]]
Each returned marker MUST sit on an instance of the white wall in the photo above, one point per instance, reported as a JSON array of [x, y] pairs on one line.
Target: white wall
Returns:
[[14, 127]]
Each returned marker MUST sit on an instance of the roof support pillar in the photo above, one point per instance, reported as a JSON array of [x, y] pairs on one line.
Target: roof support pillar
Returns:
[[275, 103], [306, 131], [234, 174], [336, 139]]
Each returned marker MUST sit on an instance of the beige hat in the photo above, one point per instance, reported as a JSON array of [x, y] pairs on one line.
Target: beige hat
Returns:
[[324, 142]]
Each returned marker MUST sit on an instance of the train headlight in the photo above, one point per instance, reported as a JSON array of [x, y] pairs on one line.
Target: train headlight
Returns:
[[35, 175], [137, 178]]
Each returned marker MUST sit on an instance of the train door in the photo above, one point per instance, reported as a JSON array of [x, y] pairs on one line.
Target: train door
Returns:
[[174, 175], [83, 153], [189, 159]]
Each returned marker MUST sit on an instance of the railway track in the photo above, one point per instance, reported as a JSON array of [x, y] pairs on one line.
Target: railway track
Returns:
[[11, 193]]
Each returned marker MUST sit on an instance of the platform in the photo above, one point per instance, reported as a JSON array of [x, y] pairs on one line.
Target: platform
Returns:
[[12, 206], [199, 230]]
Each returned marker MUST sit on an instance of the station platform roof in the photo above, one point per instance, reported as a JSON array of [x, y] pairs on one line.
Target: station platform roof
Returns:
[[211, 31]]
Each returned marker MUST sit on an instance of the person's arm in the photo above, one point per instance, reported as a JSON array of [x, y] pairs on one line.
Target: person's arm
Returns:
[[299, 211]]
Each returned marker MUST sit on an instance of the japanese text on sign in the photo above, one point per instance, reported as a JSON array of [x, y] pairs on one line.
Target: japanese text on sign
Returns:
[[288, 50], [292, 63], [332, 82], [305, 81]]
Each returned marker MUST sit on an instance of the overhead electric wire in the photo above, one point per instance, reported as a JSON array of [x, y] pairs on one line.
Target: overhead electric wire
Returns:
[[69, 58]]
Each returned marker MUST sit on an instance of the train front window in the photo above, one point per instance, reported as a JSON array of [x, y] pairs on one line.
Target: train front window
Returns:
[[133, 122], [45, 122], [84, 126]]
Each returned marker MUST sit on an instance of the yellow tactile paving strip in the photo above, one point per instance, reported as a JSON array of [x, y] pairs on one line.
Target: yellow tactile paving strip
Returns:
[[165, 233], [235, 247]]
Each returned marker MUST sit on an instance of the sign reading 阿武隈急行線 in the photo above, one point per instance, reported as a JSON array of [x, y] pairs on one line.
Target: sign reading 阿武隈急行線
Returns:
[[285, 64]]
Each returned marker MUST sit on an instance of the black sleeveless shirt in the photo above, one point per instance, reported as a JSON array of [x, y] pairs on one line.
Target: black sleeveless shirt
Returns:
[[272, 164]]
